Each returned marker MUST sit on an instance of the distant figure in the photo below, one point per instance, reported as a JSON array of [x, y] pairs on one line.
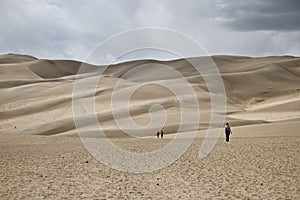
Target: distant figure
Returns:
[[227, 131], [161, 134], [157, 134]]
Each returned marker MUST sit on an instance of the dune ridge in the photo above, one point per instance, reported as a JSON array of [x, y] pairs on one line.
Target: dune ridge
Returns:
[[37, 93]]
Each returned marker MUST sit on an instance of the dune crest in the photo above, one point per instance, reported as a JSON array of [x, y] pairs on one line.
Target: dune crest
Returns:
[[36, 94]]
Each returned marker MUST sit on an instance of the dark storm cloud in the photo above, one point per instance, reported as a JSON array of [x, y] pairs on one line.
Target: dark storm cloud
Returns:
[[273, 15]]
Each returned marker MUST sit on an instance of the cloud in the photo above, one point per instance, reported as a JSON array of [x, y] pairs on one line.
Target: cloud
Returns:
[[272, 15], [61, 29], [58, 29]]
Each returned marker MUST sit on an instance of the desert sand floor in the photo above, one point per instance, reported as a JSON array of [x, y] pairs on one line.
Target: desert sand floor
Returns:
[[39, 167], [42, 156]]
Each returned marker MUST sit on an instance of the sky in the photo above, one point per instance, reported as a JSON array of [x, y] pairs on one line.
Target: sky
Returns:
[[71, 29]]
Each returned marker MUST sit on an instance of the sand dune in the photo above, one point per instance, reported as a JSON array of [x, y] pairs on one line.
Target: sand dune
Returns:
[[42, 156], [38, 93]]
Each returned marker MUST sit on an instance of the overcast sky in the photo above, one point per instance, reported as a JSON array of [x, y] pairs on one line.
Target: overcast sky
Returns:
[[63, 29]]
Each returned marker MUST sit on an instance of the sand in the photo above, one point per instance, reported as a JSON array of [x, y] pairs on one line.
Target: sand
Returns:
[[35, 167], [43, 157]]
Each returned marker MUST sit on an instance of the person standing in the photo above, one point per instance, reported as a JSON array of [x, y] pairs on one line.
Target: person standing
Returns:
[[157, 134], [161, 134], [227, 131]]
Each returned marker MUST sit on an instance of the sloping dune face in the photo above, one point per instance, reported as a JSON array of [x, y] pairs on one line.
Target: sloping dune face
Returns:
[[36, 94]]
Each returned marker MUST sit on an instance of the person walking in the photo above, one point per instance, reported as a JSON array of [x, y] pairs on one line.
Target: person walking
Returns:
[[227, 131], [161, 134], [157, 134]]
